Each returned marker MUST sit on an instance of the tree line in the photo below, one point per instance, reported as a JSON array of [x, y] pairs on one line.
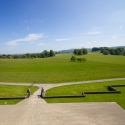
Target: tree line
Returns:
[[112, 51], [80, 51], [44, 54]]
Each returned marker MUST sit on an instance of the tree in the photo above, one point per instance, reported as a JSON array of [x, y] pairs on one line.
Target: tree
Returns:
[[112, 51], [75, 51], [27, 55], [34, 55], [73, 58], [80, 52], [0, 56], [52, 53], [84, 51], [9, 56], [24, 56], [44, 54], [81, 59], [124, 54], [95, 49], [105, 52], [4, 56], [103, 49], [119, 51]]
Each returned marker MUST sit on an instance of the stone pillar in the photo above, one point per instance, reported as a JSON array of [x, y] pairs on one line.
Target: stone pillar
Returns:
[[42, 92], [28, 92]]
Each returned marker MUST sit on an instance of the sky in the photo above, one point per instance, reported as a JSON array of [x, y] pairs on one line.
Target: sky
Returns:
[[32, 26]]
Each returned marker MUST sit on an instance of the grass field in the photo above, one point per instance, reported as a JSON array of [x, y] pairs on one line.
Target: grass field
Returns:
[[14, 91], [78, 89], [59, 69]]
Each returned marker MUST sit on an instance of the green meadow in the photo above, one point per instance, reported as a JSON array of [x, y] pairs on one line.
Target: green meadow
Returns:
[[59, 69], [79, 88]]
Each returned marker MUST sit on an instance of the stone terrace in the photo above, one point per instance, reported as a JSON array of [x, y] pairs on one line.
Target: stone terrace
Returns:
[[35, 111]]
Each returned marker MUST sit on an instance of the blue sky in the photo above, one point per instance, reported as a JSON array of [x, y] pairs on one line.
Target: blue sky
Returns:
[[31, 26]]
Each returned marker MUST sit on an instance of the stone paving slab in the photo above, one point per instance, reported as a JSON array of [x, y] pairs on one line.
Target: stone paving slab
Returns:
[[35, 111]]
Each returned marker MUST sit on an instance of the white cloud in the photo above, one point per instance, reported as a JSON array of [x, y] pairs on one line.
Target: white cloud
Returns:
[[14, 34], [82, 44], [91, 42], [25, 21], [94, 41], [114, 37], [121, 27], [29, 38], [31, 42], [41, 44], [79, 45], [65, 39], [119, 16], [88, 42], [94, 33]]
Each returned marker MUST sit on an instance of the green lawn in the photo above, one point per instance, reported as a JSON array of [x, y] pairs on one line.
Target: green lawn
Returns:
[[78, 89], [59, 69], [10, 101], [13, 91]]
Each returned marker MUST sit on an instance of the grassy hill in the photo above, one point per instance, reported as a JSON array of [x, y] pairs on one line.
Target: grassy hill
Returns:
[[59, 69]]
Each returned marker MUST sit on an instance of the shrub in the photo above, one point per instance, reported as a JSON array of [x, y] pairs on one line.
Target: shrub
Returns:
[[73, 58]]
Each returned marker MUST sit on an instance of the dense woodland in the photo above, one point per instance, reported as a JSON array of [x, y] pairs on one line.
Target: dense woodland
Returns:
[[44, 54], [112, 51]]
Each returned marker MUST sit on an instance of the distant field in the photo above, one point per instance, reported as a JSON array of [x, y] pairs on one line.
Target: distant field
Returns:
[[78, 89], [59, 69]]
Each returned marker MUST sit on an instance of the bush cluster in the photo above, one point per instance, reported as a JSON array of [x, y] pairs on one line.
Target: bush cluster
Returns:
[[73, 58]]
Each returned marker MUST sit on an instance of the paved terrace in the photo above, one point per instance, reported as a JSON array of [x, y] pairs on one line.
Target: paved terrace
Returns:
[[35, 111]]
